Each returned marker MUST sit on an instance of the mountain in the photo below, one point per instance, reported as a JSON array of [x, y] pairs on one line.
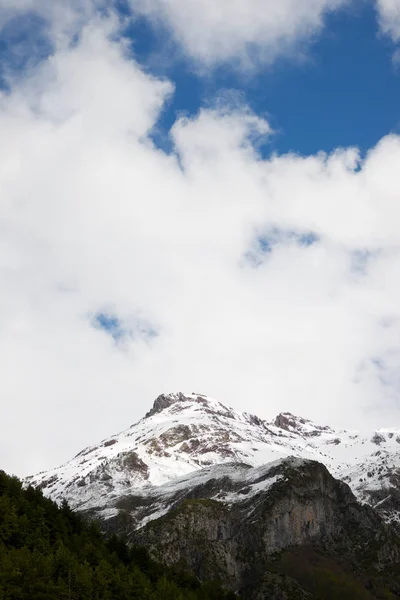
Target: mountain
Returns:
[[187, 433], [270, 509]]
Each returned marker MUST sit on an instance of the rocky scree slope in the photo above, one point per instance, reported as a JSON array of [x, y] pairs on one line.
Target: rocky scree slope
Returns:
[[187, 433]]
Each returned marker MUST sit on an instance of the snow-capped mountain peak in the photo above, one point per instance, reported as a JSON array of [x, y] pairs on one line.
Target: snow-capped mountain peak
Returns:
[[182, 401], [185, 433]]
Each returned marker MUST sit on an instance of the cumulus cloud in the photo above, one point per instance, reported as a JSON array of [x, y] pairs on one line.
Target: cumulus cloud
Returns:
[[31, 30], [271, 284], [233, 30], [389, 17]]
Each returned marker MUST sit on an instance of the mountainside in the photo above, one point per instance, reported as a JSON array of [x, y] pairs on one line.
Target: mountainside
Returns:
[[287, 530], [187, 433]]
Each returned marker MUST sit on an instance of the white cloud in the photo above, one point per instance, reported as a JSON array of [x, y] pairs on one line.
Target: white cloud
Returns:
[[389, 17], [95, 219], [244, 33], [214, 31], [30, 29]]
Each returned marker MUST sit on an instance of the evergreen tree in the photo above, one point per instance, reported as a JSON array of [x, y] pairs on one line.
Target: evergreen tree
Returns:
[[49, 553]]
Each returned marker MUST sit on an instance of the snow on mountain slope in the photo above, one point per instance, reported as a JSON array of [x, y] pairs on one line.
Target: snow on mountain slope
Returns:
[[185, 433], [227, 483]]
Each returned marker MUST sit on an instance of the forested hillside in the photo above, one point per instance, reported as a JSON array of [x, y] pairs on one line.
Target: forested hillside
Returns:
[[50, 553]]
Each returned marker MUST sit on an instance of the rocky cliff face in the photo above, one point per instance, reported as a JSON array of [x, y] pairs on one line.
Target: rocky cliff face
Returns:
[[289, 504]]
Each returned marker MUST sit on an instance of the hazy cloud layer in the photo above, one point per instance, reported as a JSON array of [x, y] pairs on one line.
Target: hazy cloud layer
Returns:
[[269, 284]]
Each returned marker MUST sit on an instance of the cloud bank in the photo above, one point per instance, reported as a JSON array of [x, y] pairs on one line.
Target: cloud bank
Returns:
[[269, 283]]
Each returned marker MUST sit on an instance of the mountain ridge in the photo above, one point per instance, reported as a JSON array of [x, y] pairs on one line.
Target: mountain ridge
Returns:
[[187, 433]]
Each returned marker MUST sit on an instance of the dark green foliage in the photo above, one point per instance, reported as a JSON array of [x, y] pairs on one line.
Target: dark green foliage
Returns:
[[49, 553]]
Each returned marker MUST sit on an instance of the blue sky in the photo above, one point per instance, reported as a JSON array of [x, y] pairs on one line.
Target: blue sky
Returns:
[[344, 91], [183, 207], [341, 90]]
